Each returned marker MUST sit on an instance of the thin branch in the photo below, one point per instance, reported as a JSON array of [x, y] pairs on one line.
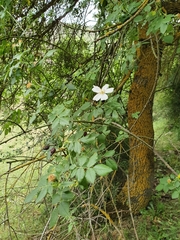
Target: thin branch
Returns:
[[44, 9], [34, 160], [150, 147], [7, 120], [22, 133], [123, 81], [45, 228], [130, 209], [119, 27], [165, 163], [56, 21], [135, 136], [6, 202], [23, 165]]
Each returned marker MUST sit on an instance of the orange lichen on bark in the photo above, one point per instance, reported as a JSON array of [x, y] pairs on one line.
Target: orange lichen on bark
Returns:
[[141, 163]]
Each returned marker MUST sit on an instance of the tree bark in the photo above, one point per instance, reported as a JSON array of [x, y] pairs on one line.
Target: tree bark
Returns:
[[137, 190], [138, 187], [171, 7]]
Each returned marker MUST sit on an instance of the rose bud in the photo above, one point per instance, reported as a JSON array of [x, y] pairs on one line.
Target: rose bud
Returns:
[[52, 178], [46, 147], [53, 150]]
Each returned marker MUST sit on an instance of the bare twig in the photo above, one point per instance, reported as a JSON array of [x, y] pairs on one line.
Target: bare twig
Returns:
[[165, 163], [123, 81], [45, 228], [22, 133], [130, 208], [7, 120], [119, 27], [150, 147]]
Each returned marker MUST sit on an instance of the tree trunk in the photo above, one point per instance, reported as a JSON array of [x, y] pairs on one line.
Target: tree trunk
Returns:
[[139, 185]]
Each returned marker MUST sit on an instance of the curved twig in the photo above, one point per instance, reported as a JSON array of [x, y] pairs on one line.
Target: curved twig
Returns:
[[119, 27]]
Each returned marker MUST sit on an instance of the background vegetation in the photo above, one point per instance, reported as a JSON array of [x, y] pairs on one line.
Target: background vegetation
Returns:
[[64, 157]]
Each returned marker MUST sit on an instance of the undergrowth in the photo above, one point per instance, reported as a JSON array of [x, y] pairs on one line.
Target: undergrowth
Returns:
[[90, 221]]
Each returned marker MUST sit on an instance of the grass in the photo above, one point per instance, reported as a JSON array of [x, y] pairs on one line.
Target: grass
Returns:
[[24, 220], [17, 219], [159, 221]]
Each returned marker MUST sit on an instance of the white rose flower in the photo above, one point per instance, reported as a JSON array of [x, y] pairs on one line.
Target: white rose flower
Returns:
[[102, 92]]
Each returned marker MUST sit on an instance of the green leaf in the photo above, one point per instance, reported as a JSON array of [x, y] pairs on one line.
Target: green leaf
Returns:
[[71, 87], [73, 172], [42, 181], [168, 39], [55, 199], [177, 184], [97, 112], [77, 135], [77, 147], [109, 153], [112, 164], [135, 115], [85, 106], [18, 56], [64, 113], [159, 187], [2, 14], [80, 174], [50, 189], [115, 115], [166, 188], [54, 218], [90, 175], [89, 138], [67, 196], [63, 209], [32, 118], [92, 160], [71, 226], [163, 28], [147, 8], [164, 180], [175, 195], [42, 194], [82, 160], [67, 184], [83, 109], [50, 53], [31, 195], [102, 169], [64, 121], [101, 139], [121, 136], [137, 19], [59, 120]]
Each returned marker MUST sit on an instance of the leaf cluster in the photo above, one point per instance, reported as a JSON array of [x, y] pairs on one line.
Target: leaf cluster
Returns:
[[83, 156]]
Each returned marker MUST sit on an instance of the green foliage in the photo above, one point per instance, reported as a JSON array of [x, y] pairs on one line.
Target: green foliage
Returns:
[[159, 22], [85, 157], [159, 221], [170, 184], [48, 67], [135, 115]]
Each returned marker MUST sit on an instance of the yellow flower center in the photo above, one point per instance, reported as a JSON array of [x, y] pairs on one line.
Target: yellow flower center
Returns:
[[102, 92], [169, 180]]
